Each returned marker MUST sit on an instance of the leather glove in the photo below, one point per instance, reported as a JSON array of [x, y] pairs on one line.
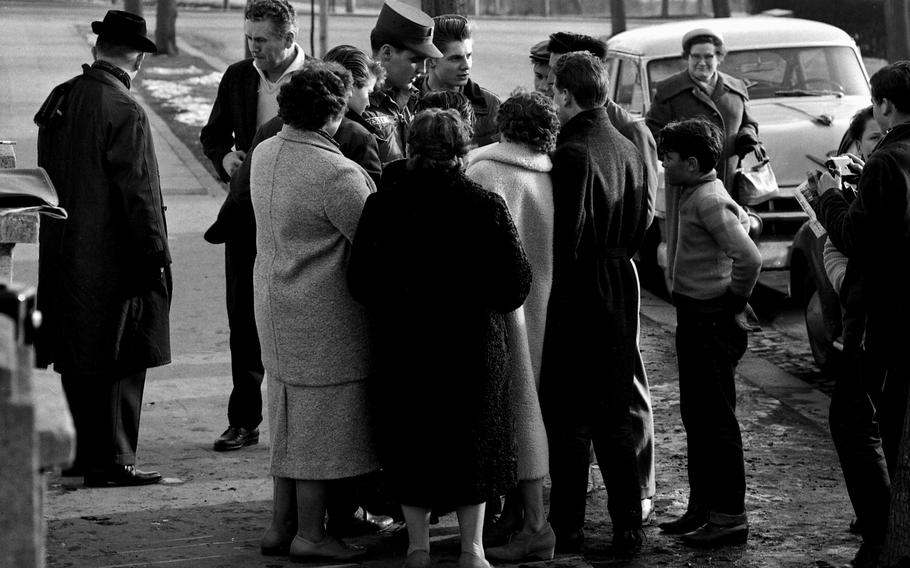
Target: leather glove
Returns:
[[745, 143]]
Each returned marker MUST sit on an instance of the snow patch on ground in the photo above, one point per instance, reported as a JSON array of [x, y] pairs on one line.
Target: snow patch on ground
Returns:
[[180, 93]]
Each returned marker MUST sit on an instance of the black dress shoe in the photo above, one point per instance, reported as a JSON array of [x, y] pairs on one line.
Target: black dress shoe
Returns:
[[569, 542], [235, 438], [360, 523], [120, 476], [627, 543], [685, 524], [712, 535]]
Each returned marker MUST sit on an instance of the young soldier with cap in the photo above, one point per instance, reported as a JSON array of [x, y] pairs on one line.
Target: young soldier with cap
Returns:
[[401, 41], [452, 35]]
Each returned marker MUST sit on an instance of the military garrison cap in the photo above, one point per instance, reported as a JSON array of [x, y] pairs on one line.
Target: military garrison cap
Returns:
[[404, 24]]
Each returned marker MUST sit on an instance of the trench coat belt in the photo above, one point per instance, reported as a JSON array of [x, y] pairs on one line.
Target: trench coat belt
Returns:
[[615, 253]]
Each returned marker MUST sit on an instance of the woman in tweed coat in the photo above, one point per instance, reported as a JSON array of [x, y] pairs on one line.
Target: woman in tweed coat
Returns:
[[439, 261], [307, 199]]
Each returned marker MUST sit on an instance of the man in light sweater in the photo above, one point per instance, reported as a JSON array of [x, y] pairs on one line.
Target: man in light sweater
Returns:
[[714, 267]]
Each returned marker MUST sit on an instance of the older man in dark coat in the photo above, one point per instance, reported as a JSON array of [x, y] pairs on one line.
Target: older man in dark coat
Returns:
[[600, 186], [104, 273]]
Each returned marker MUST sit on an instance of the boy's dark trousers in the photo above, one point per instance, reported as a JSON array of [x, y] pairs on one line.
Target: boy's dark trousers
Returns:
[[708, 348]]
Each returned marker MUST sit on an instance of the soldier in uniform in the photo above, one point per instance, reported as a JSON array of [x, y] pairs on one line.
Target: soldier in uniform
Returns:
[[401, 41]]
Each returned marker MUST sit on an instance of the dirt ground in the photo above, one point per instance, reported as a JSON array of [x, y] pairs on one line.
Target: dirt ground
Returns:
[[798, 508]]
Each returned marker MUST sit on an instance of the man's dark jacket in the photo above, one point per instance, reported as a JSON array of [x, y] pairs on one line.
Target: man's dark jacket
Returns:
[[874, 233], [232, 122], [104, 273]]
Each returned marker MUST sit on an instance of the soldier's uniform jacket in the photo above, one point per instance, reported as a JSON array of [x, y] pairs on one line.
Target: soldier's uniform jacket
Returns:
[[390, 123]]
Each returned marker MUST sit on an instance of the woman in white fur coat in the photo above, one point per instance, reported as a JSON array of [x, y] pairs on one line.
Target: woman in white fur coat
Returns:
[[518, 169]]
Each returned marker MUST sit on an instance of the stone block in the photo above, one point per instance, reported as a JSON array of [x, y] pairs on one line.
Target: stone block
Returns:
[[56, 434], [19, 228], [7, 156]]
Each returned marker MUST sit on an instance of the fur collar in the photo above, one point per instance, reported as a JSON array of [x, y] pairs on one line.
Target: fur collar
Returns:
[[512, 154]]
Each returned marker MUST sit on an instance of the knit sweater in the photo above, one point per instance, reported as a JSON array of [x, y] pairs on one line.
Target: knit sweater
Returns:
[[713, 262]]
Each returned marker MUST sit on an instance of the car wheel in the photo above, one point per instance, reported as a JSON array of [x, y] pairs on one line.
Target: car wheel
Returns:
[[826, 355]]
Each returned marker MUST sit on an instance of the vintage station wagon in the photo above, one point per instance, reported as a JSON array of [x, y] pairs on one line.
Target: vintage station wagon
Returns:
[[805, 81]]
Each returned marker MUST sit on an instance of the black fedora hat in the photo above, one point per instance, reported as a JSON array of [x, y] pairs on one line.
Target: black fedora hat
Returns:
[[126, 29]]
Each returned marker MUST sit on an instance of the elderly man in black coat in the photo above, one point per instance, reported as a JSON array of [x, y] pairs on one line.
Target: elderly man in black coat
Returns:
[[587, 381], [104, 273]]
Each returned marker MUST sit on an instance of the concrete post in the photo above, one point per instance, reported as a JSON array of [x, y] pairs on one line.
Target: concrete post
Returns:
[[36, 433]]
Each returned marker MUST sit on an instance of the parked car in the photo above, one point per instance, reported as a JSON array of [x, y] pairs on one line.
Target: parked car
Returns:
[[806, 80]]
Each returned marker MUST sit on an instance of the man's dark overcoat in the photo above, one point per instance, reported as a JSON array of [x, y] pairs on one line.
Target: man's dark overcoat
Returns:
[[439, 263], [600, 201], [104, 273], [679, 98]]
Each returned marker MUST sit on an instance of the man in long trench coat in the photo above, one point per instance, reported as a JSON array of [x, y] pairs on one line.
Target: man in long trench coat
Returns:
[[587, 380], [104, 273]]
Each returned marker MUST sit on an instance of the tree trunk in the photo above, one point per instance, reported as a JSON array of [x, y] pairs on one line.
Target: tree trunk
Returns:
[[897, 26], [618, 15], [166, 27], [721, 8], [133, 6], [664, 8], [439, 7], [896, 553]]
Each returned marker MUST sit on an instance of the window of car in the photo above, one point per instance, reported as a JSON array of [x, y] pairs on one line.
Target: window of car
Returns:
[[793, 71], [628, 87]]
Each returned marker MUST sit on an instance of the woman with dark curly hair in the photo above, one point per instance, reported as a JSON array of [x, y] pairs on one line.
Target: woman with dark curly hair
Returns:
[[439, 262], [307, 199], [518, 169]]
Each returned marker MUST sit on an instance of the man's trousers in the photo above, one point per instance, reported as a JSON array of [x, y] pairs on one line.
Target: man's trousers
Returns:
[[866, 420], [245, 403], [106, 410]]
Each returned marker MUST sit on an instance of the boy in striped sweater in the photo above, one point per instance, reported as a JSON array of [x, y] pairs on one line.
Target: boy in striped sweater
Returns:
[[714, 267]]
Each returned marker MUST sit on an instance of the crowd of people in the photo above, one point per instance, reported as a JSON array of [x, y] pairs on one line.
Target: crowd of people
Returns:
[[438, 285]]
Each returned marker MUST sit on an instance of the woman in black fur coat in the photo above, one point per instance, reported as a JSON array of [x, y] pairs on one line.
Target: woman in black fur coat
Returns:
[[439, 262]]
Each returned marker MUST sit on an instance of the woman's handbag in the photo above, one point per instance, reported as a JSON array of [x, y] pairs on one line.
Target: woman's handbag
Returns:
[[755, 181]]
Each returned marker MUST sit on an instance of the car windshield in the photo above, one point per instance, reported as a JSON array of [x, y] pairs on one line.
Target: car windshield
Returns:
[[782, 72]]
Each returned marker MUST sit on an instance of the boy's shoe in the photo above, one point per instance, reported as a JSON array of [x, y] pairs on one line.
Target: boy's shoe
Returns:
[[691, 520]]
